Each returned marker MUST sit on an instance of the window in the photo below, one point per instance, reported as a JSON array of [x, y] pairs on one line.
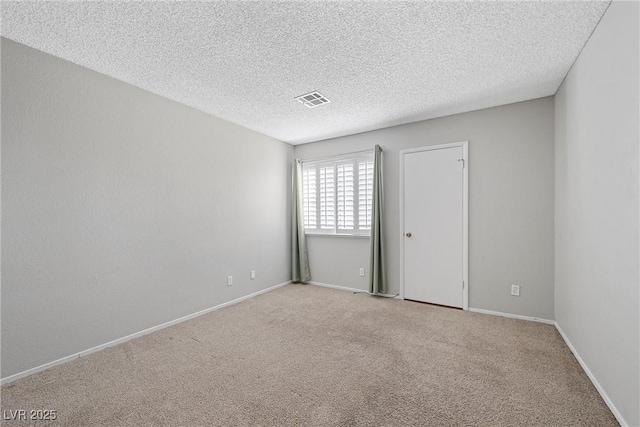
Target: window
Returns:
[[337, 195]]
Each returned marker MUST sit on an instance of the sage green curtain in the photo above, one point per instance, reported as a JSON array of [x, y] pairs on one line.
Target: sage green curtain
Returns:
[[299, 256], [377, 278]]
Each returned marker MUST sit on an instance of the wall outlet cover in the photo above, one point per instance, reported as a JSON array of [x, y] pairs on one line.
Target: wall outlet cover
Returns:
[[515, 290], [253, 274], [229, 280], [361, 272]]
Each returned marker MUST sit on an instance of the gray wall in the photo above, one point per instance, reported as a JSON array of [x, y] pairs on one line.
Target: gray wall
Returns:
[[597, 211], [122, 210], [511, 179]]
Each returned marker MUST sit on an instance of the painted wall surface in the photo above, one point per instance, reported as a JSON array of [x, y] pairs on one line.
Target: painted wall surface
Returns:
[[511, 195], [122, 210], [597, 214], [342, 266]]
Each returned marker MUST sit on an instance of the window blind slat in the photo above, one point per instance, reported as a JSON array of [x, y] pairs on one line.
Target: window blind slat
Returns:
[[365, 194], [345, 196], [309, 197]]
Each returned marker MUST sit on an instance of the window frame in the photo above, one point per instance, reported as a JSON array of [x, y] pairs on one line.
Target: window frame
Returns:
[[334, 162]]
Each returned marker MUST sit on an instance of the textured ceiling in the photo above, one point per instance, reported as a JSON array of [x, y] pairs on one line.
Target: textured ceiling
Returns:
[[380, 63]]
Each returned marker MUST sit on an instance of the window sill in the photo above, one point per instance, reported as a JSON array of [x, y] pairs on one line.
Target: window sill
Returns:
[[357, 236]]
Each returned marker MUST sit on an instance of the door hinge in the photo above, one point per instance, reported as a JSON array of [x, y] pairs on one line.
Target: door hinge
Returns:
[[463, 284], [462, 160]]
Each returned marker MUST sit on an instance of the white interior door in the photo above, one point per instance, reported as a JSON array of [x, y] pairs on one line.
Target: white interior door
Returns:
[[434, 235]]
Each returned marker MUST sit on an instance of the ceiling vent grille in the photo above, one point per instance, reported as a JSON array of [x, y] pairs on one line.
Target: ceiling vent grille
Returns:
[[313, 99]]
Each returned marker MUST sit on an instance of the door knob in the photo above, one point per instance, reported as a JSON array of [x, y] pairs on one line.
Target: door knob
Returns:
[[408, 234]]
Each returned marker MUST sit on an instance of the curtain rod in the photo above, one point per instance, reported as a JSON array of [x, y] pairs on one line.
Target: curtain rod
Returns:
[[339, 155]]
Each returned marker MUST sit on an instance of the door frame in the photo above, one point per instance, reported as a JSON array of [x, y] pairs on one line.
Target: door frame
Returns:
[[465, 214]]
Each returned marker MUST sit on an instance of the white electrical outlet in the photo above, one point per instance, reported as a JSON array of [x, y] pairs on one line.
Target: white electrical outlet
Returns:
[[361, 272], [229, 280], [515, 290], [253, 274]]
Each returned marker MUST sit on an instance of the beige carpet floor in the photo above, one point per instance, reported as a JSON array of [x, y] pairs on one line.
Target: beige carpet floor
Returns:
[[311, 356]]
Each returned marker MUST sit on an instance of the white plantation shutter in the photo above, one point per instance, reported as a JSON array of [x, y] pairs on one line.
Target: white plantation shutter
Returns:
[[327, 198], [309, 198], [346, 219], [365, 194], [337, 195]]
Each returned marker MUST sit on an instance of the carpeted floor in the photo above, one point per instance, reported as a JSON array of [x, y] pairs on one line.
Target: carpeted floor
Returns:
[[305, 355]]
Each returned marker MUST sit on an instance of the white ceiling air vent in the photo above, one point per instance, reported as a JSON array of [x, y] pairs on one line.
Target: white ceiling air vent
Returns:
[[313, 99]]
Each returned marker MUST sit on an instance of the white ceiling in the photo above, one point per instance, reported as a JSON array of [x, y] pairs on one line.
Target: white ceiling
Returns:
[[379, 63]]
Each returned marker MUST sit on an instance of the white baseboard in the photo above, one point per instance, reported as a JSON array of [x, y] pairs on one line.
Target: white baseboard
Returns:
[[344, 288], [584, 366], [513, 316], [593, 379], [83, 353]]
